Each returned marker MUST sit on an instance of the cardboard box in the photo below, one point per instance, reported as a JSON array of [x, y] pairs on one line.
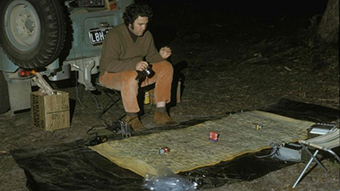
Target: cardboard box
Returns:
[[50, 112]]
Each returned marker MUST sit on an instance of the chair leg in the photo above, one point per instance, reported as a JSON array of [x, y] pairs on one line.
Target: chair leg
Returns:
[[315, 159], [334, 154], [105, 109], [304, 170], [113, 100]]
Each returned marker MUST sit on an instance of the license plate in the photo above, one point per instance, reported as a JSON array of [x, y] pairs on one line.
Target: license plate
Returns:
[[97, 36]]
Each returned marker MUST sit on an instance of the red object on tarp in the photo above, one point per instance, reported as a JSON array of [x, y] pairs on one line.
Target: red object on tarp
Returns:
[[213, 136], [166, 149]]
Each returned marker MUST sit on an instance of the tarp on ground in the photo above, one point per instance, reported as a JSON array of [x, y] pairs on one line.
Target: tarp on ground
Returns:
[[74, 166], [191, 147]]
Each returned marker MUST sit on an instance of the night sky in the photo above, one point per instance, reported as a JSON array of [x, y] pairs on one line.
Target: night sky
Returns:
[[249, 16], [266, 8]]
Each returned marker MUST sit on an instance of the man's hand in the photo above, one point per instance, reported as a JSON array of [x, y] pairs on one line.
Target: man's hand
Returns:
[[141, 66], [165, 52]]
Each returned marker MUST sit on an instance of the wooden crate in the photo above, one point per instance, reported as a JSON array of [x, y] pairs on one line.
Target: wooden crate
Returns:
[[50, 112]]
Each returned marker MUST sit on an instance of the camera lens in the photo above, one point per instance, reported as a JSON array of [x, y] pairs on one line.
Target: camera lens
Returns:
[[147, 71]]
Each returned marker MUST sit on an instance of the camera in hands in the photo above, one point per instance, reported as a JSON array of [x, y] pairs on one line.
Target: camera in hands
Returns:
[[147, 72]]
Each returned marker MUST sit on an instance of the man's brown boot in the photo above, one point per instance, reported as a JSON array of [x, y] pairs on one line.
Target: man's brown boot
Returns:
[[136, 124], [162, 118]]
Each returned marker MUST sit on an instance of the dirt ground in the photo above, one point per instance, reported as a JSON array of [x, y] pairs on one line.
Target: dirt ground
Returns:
[[224, 66]]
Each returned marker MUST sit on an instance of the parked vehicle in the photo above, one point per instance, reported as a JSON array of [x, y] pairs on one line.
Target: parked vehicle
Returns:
[[53, 37]]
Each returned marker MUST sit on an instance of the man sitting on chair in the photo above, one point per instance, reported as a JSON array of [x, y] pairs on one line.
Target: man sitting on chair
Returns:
[[127, 50]]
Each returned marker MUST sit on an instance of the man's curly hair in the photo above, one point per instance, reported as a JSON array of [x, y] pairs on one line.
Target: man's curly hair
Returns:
[[133, 11]]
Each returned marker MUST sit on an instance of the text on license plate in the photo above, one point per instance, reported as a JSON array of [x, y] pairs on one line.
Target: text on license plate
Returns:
[[97, 35]]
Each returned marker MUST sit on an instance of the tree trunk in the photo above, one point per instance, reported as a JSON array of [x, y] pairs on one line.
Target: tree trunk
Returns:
[[328, 29]]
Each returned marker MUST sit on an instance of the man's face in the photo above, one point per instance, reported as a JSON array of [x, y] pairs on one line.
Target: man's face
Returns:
[[138, 27]]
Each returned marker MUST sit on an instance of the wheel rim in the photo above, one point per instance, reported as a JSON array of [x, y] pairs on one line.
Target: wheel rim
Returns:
[[22, 25]]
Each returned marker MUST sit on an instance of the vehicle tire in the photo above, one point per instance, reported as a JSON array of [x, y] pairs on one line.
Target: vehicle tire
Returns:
[[32, 32], [4, 104]]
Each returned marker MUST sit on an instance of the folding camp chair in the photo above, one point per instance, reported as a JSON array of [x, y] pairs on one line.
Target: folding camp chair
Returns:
[[114, 97], [325, 142]]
